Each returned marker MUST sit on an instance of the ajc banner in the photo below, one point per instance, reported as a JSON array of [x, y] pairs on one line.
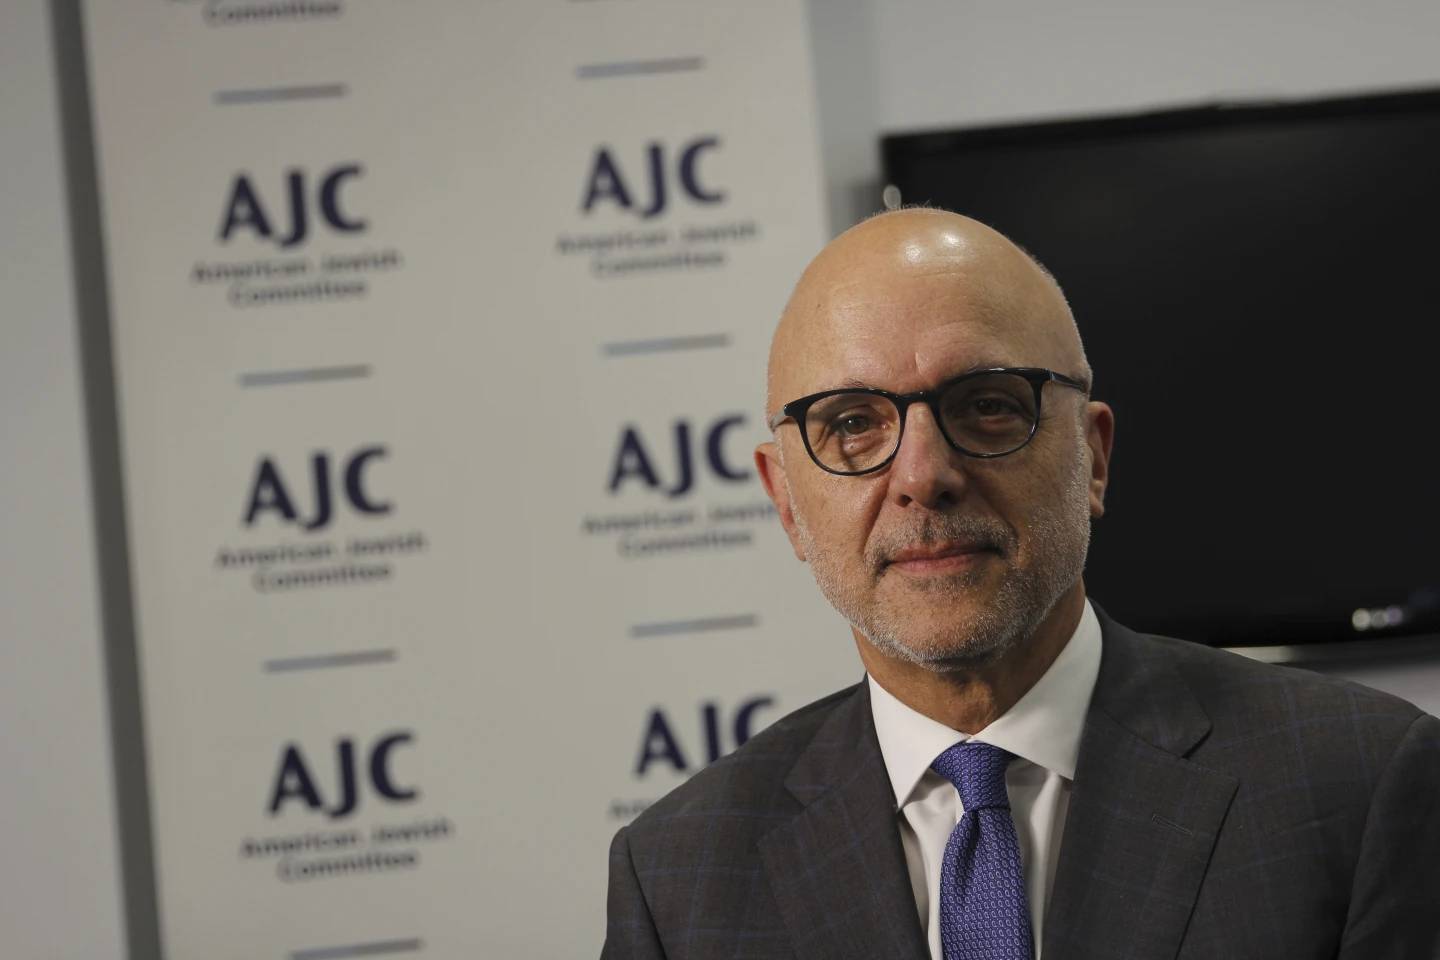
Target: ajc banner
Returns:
[[440, 333]]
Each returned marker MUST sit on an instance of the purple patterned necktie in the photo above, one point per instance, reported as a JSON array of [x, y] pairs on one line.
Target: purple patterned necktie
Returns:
[[983, 911]]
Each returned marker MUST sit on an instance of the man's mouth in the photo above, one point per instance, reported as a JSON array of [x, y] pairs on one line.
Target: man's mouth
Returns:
[[951, 556]]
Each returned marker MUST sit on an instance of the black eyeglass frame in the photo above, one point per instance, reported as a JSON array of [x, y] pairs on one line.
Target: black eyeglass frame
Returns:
[[1037, 376]]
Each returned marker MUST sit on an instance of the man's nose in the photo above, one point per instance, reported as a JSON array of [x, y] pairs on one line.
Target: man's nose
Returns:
[[926, 469]]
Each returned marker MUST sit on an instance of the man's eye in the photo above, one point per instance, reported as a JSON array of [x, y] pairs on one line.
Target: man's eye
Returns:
[[991, 407], [853, 425], [994, 407]]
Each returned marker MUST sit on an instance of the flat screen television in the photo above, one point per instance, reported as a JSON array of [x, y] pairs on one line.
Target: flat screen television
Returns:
[[1258, 287]]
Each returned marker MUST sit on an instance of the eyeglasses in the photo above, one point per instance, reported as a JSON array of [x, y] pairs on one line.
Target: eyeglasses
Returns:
[[985, 413]]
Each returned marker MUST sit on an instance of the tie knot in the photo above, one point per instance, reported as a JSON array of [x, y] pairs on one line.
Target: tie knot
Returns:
[[978, 772]]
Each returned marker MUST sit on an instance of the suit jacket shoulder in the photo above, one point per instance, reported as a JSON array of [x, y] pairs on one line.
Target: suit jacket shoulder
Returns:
[[1252, 702], [1302, 745], [787, 847], [747, 781], [1245, 810]]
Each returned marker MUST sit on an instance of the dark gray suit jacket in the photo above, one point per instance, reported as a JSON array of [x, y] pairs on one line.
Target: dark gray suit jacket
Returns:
[[1222, 808]]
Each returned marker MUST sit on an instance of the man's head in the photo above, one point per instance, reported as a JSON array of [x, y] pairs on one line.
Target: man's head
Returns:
[[939, 559]]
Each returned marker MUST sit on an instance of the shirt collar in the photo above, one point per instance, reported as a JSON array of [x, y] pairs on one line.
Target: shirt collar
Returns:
[[1043, 726]]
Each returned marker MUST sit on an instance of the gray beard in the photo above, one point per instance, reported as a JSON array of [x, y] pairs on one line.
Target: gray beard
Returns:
[[1059, 540]]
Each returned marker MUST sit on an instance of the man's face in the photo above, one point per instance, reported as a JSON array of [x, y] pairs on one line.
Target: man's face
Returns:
[[940, 559]]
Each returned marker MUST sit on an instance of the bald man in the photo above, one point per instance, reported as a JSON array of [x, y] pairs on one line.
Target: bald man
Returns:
[[1017, 775]]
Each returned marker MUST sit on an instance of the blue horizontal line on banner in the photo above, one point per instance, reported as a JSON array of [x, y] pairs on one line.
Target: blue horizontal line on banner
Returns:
[[625, 348], [664, 629], [322, 661], [317, 91], [639, 68], [374, 949], [273, 378]]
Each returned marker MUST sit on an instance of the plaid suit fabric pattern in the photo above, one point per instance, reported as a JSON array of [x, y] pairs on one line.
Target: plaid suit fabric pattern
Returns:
[[1228, 808], [694, 860], [691, 876], [1221, 809]]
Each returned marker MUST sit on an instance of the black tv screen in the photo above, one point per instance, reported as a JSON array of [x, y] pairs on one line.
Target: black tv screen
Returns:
[[1257, 288]]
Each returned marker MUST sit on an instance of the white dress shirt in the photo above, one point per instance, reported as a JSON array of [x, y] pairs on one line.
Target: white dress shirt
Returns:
[[1042, 730]]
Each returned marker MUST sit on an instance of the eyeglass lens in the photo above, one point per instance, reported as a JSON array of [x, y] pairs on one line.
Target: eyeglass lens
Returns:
[[991, 414]]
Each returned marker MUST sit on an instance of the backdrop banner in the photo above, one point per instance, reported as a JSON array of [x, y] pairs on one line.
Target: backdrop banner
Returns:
[[440, 335]]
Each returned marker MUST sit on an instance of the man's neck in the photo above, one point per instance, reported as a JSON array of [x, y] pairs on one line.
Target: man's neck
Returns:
[[969, 699]]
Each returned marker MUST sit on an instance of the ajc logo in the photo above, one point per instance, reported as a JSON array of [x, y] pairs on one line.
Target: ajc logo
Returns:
[[245, 210], [269, 493], [633, 458], [295, 781], [606, 182], [660, 744]]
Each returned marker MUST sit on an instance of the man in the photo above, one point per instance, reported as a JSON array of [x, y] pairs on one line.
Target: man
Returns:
[[1017, 775]]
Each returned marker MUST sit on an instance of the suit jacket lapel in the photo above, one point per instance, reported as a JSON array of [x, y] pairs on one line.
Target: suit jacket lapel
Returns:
[[1142, 819], [837, 870]]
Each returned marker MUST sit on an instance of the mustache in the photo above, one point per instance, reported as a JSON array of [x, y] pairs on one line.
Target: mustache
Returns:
[[986, 533]]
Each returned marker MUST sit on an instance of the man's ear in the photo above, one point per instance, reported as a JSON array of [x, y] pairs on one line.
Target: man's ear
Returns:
[[772, 476], [1100, 436]]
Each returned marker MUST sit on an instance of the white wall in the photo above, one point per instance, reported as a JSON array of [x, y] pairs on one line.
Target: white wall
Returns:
[[891, 66], [59, 874]]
